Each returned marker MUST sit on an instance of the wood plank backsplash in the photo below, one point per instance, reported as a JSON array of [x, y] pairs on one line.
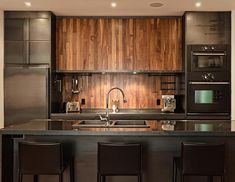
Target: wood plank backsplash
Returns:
[[141, 91], [119, 44]]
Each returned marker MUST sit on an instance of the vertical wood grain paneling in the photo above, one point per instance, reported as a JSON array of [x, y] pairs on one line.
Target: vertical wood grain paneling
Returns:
[[141, 90], [119, 44]]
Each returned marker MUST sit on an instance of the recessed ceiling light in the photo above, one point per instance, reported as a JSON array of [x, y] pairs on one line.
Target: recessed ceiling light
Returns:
[[156, 5], [113, 4], [198, 4], [28, 4]]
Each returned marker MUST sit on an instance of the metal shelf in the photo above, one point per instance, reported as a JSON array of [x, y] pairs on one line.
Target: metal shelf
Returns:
[[132, 72]]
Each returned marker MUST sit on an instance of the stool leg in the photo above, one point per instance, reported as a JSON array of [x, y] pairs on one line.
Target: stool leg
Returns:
[[20, 178], [60, 177], [222, 178], [103, 178], [72, 170], [35, 178], [173, 171], [98, 177], [176, 174], [140, 178], [210, 178]]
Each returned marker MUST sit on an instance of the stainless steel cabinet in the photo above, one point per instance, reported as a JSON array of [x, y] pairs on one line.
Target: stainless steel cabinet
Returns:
[[27, 38], [39, 29], [39, 52], [16, 52], [26, 92], [15, 29]]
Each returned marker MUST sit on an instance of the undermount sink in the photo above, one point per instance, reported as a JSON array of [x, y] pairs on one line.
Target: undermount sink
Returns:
[[113, 124]]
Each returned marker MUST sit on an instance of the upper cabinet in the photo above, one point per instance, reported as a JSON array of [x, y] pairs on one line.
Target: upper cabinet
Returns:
[[207, 27], [141, 43], [28, 37]]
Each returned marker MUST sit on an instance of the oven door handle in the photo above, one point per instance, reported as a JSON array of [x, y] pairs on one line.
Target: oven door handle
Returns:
[[208, 54], [209, 83]]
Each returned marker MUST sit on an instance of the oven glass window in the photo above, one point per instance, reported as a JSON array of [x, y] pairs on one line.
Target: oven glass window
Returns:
[[208, 96], [208, 61]]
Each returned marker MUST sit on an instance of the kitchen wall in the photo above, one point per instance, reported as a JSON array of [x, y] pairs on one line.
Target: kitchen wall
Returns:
[[1, 71], [119, 44], [141, 91], [1, 67]]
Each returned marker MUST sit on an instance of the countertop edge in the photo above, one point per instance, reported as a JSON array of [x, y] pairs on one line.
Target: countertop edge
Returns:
[[118, 133], [137, 116]]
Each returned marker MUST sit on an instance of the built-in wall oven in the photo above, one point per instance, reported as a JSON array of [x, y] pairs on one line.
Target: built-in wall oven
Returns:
[[208, 80], [208, 62], [209, 97]]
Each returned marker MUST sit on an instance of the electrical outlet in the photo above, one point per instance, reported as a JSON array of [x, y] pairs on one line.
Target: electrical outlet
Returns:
[[158, 102], [83, 101]]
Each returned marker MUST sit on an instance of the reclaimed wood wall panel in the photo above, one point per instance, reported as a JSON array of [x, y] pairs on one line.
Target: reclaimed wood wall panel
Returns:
[[141, 90], [119, 44]]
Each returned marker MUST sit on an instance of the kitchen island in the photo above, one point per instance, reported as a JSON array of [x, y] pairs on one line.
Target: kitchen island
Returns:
[[159, 147]]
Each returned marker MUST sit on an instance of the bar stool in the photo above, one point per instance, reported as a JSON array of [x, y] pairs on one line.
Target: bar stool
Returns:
[[37, 158], [119, 159], [200, 159]]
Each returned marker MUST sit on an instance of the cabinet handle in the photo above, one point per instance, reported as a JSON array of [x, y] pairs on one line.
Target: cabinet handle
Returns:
[[209, 54], [209, 83]]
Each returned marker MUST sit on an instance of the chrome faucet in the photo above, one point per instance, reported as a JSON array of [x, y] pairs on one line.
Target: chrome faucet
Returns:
[[106, 118]]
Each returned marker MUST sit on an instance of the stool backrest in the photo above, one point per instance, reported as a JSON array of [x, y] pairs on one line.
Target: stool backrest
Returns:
[[119, 158], [40, 158], [203, 159]]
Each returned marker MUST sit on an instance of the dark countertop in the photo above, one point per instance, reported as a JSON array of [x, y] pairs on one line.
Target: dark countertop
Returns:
[[137, 114], [64, 127]]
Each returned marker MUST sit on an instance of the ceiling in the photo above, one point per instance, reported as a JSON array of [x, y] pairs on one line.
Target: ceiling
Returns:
[[124, 7]]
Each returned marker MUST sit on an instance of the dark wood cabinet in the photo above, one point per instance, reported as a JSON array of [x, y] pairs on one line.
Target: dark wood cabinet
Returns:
[[134, 43], [28, 37], [207, 57]]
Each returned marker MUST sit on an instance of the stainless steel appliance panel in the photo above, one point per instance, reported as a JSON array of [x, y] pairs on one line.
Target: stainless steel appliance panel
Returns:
[[15, 52], [213, 58], [36, 50], [209, 97], [39, 29], [26, 93]]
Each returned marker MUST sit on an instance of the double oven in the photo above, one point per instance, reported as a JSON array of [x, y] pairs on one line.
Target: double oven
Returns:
[[208, 80]]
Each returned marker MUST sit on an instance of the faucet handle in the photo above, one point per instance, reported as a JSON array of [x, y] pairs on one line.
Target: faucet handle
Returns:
[[102, 118]]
